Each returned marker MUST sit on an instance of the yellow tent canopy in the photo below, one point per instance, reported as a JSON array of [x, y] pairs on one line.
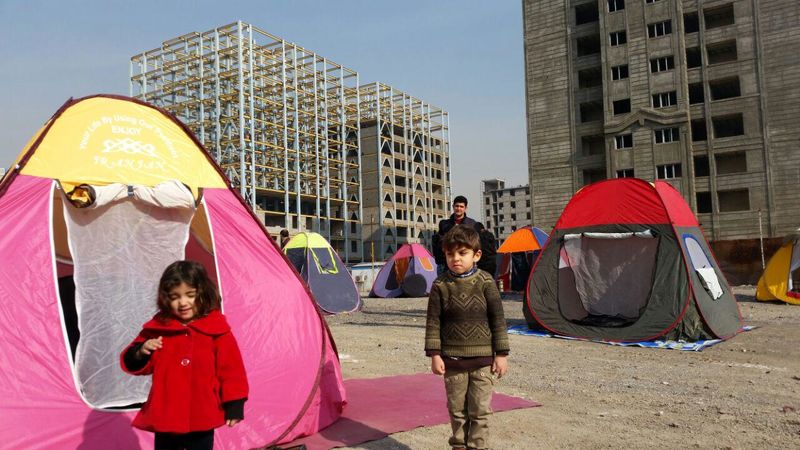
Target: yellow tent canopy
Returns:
[[101, 140], [777, 283]]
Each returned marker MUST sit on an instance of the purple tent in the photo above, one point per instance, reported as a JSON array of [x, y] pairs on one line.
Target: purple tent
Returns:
[[410, 272]]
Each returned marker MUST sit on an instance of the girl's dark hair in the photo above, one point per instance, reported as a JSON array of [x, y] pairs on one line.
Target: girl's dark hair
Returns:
[[193, 274]]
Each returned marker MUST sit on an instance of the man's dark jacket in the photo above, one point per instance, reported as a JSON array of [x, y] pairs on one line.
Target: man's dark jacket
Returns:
[[488, 261], [444, 226]]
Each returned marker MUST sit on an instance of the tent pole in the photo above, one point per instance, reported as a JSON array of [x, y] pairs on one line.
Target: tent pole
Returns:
[[761, 239]]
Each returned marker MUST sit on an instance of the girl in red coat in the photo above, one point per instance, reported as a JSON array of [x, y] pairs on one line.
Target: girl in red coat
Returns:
[[199, 381]]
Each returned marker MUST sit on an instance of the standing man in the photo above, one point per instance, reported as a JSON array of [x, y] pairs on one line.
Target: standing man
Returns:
[[284, 238], [459, 217]]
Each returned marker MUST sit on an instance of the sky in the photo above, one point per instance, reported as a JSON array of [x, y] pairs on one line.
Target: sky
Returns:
[[464, 56]]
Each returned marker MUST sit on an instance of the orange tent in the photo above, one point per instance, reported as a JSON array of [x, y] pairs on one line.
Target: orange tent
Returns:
[[516, 256]]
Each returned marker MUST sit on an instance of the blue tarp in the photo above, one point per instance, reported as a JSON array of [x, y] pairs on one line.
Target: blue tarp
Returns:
[[671, 345]]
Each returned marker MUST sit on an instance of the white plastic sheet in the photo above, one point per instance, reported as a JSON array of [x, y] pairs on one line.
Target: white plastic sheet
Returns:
[[710, 281], [120, 246]]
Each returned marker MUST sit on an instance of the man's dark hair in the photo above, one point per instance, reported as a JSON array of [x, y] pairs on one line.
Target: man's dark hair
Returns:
[[461, 236], [460, 199], [284, 233]]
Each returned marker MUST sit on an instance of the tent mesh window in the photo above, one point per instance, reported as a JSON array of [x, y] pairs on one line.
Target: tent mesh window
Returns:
[[118, 250], [703, 267], [605, 278], [793, 283], [323, 258]]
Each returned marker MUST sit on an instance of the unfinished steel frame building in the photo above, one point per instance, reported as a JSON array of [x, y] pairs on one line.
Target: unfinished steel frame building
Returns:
[[282, 122], [406, 169]]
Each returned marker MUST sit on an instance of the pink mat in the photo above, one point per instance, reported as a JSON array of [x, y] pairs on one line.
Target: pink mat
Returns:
[[378, 407]]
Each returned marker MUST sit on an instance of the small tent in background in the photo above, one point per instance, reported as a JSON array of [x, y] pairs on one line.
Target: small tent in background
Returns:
[[516, 256], [781, 278], [410, 272], [627, 261], [106, 195], [325, 273]]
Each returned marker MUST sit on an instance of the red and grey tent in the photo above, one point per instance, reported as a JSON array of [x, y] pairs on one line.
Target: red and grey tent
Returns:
[[627, 261]]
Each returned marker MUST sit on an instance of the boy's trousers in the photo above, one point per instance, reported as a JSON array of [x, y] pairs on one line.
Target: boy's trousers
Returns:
[[469, 394]]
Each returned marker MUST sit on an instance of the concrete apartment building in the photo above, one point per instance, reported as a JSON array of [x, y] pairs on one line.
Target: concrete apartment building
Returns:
[[405, 169], [287, 127], [702, 94], [504, 209]]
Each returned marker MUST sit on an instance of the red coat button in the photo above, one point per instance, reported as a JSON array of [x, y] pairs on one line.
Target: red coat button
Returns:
[[185, 362]]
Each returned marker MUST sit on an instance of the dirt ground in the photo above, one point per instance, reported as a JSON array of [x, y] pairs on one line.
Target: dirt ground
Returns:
[[742, 393]]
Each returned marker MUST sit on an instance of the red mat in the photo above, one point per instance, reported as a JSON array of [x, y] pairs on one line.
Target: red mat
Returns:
[[378, 407]]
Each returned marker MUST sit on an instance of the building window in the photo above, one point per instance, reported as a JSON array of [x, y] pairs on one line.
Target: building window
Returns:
[[720, 16], [659, 29], [703, 202], [651, 1], [662, 64], [619, 72], [622, 106], [622, 141], [592, 145], [728, 163], [668, 171], [513, 217], [727, 126], [586, 13], [701, 167], [588, 45], [696, 93], [591, 77], [616, 5], [693, 57], [528, 215], [618, 38], [721, 52], [699, 131], [593, 175], [488, 213], [734, 200], [625, 173], [665, 135], [691, 22], [513, 204], [487, 200], [724, 88], [665, 99], [591, 111]]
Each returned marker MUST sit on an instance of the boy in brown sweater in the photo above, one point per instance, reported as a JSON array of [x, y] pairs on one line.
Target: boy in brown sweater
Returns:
[[466, 338]]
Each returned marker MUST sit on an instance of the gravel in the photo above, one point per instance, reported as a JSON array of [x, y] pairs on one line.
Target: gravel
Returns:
[[742, 393]]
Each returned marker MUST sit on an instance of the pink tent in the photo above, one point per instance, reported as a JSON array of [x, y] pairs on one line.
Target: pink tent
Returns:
[[55, 349], [411, 272]]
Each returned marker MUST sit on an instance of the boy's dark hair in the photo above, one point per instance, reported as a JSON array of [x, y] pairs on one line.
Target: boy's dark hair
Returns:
[[194, 275], [460, 199], [284, 233], [461, 236]]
